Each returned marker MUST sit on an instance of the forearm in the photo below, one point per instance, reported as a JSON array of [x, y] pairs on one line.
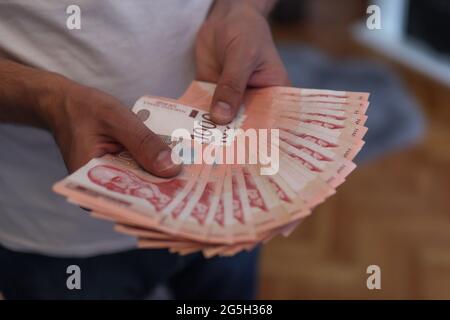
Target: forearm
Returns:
[[221, 7], [27, 95]]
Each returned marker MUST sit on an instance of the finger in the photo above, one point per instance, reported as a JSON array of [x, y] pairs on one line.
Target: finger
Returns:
[[106, 147], [144, 145], [269, 77], [231, 86], [271, 73]]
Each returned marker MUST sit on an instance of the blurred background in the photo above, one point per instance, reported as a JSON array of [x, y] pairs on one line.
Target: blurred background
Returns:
[[394, 210]]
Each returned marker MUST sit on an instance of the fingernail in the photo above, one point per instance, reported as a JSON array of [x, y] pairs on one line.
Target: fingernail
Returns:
[[222, 111], [163, 161]]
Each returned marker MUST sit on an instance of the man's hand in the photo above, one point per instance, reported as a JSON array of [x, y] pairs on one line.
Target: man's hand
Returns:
[[235, 49], [91, 123], [85, 122]]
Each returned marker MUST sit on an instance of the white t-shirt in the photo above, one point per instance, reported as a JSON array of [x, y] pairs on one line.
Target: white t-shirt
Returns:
[[125, 48]]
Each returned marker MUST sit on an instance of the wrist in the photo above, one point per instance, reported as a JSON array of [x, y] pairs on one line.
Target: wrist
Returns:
[[27, 95], [262, 6], [51, 96], [224, 7]]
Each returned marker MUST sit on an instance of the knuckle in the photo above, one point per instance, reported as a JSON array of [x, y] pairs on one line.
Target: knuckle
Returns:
[[252, 54], [104, 122], [107, 115], [281, 77], [231, 87], [146, 142]]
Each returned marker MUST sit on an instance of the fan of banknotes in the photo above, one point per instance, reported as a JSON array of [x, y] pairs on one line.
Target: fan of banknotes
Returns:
[[242, 184]]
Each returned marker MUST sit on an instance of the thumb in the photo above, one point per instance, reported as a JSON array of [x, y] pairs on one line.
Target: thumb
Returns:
[[230, 88], [144, 145]]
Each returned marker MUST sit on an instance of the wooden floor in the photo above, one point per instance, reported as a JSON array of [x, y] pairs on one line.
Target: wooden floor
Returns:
[[394, 212]]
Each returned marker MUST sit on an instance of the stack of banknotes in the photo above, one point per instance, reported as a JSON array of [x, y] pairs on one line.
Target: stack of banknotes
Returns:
[[243, 183]]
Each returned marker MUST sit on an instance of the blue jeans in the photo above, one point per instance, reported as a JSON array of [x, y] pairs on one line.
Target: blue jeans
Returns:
[[128, 275]]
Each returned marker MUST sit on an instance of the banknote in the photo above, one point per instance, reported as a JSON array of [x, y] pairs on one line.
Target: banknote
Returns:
[[219, 205]]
